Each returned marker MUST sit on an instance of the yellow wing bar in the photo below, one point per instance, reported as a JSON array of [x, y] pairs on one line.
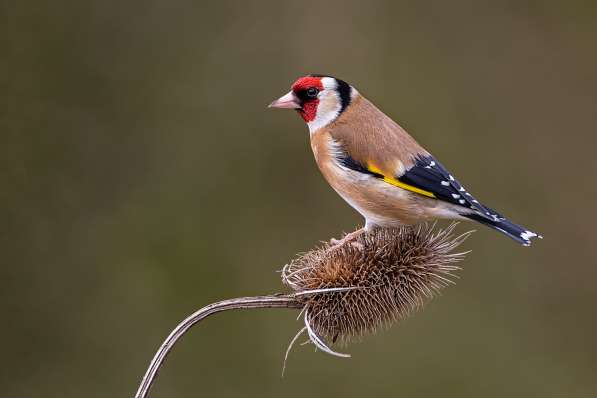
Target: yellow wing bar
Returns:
[[399, 184]]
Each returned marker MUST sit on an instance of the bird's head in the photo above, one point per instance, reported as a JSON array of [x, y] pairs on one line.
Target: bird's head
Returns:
[[318, 99]]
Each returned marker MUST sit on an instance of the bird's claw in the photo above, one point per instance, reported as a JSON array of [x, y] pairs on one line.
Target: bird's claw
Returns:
[[347, 239]]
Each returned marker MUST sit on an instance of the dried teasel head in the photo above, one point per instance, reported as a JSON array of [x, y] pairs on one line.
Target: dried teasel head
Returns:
[[378, 278]]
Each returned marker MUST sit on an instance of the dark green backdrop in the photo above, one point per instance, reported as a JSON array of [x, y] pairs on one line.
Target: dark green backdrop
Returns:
[[142, 177]]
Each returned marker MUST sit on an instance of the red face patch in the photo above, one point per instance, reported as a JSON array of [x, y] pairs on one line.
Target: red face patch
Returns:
[[309, 105]]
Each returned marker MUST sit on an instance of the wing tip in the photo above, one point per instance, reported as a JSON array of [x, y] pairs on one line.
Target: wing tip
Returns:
[[527, 235]]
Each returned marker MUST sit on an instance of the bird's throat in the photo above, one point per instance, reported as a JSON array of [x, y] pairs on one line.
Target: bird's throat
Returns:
[[309, 110]]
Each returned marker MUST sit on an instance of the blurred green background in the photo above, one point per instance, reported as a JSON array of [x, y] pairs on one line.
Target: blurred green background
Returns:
[[143, 177]]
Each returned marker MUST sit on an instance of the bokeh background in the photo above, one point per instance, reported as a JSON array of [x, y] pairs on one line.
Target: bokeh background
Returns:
[[142, 177]]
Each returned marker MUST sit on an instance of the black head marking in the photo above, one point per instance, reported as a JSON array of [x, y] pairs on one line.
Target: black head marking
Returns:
[[344, 90]]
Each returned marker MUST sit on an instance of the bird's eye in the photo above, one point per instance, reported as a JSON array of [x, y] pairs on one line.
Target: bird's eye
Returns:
[[312, 92]]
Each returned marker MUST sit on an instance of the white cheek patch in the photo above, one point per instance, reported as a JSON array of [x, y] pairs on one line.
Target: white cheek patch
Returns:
[[329, 83], [329, 105]]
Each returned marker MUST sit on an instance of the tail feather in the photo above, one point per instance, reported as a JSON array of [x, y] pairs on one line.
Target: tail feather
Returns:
[[516, 232]]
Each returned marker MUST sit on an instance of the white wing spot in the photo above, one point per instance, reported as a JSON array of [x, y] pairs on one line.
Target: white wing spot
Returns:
[[455, 195], [432, 163], [451, 178], [445, 183], [526, 235], [462, 201]]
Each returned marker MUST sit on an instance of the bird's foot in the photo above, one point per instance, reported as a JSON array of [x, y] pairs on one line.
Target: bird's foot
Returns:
[[347, 239]]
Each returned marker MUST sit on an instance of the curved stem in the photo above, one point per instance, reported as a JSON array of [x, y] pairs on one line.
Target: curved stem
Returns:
[[273, 301]]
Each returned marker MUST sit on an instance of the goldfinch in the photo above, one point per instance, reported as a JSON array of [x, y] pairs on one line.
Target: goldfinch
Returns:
[[377, 167]]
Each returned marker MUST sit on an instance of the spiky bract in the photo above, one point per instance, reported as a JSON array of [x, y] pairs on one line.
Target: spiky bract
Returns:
[[379, 277]]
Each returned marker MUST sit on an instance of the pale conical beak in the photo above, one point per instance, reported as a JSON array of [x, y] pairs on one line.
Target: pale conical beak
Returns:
[[288, 101]]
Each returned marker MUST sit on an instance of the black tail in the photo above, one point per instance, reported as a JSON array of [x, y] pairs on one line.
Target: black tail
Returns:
[[516, 232]]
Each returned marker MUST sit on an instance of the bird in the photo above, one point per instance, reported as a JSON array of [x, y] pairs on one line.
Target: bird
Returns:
[[377, 167]]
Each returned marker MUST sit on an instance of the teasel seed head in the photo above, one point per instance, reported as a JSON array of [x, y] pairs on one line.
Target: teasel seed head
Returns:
[[372, 281]]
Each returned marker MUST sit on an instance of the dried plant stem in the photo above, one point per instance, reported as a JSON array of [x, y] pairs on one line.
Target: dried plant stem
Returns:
[[273, 301]]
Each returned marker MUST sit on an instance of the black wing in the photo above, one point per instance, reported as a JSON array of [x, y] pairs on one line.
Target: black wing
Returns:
[[430, 175]]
